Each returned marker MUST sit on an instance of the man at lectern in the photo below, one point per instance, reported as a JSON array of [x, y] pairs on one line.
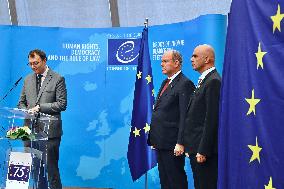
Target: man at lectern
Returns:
[[45, 91]]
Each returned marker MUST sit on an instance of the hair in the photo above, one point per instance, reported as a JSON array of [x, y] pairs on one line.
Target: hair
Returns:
[[38, 52], [177, 56]]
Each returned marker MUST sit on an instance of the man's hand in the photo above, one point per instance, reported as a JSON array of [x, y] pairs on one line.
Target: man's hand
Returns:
[[179, 149], [200, 158], [34, 110]]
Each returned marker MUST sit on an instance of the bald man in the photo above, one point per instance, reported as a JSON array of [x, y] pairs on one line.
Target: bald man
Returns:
[[201, 124]]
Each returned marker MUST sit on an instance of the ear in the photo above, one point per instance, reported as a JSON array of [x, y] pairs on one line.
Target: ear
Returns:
[[44, 61], [206, 60], [177, 63]]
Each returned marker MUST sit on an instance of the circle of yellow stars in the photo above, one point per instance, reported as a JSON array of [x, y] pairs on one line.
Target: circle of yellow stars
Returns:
[[253, 101], [146, 128]]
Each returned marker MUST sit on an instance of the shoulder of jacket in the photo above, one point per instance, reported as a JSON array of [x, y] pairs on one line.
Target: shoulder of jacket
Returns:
[[29, 76], [55, 74]]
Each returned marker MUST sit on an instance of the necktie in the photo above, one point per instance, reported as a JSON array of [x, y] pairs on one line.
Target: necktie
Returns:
[[199, 82], [38, 83], [165, 87]]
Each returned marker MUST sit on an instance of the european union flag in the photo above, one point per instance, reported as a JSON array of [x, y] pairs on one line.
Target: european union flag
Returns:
[[251, 142], [140, 156]]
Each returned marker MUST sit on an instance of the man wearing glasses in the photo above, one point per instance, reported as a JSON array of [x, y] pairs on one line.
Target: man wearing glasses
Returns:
[[45, 91]]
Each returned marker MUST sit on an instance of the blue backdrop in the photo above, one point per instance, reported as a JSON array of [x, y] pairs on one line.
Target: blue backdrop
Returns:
[[99, 66]]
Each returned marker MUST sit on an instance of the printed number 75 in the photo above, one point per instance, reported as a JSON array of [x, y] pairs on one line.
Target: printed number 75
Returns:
[[19, 171]]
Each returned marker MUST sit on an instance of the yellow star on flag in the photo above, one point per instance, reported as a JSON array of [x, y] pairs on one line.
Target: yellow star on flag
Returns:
[[276, 19], [146, 128], [153, 92], [252, 103], [148, 78], [269, 186], [259, 56], [139, 75], [136, 132], [255, 151]]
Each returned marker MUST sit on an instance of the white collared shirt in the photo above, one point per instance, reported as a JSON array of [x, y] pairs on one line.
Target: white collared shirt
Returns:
[[204, 74], [173, 76], [44, 75]]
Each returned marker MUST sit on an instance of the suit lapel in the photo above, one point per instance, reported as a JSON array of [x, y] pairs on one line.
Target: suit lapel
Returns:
[[44, 84], [190, 100], [200, 86], [169, 88], [206, 77], [33, 83], [172, 84]]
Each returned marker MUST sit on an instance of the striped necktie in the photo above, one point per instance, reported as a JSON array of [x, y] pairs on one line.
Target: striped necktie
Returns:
[[199, 82]]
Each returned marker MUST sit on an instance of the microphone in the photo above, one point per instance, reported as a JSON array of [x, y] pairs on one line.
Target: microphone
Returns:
[[15, 85]]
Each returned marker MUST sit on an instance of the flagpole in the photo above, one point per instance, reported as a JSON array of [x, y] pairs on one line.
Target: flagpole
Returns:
[[146, 22], [146, 180], [146, 174]]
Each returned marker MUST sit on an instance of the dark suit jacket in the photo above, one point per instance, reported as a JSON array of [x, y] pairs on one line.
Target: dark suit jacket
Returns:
[[52, 98], [201, 124], [168, 116]]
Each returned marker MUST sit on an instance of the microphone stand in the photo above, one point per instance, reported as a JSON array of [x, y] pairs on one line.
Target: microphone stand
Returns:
[[15, 85]]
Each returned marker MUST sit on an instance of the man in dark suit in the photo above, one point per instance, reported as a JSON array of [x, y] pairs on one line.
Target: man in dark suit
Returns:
[[45, 91], [167, 124], [201, 125]]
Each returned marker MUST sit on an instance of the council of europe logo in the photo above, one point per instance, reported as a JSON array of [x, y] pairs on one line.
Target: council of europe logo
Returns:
[[123, 51]]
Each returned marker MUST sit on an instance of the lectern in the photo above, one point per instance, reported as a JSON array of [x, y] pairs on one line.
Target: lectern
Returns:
[[22, 162]]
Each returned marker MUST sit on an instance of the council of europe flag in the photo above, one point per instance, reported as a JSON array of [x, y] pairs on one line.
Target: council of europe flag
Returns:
[[123, 51], [251, 142], [141, 157]]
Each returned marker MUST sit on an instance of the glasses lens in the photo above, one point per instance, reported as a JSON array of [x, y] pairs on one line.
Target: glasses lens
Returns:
[[33, 63]]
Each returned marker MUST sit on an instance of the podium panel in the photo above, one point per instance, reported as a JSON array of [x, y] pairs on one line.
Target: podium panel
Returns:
[[19, 169], [22, 148]]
